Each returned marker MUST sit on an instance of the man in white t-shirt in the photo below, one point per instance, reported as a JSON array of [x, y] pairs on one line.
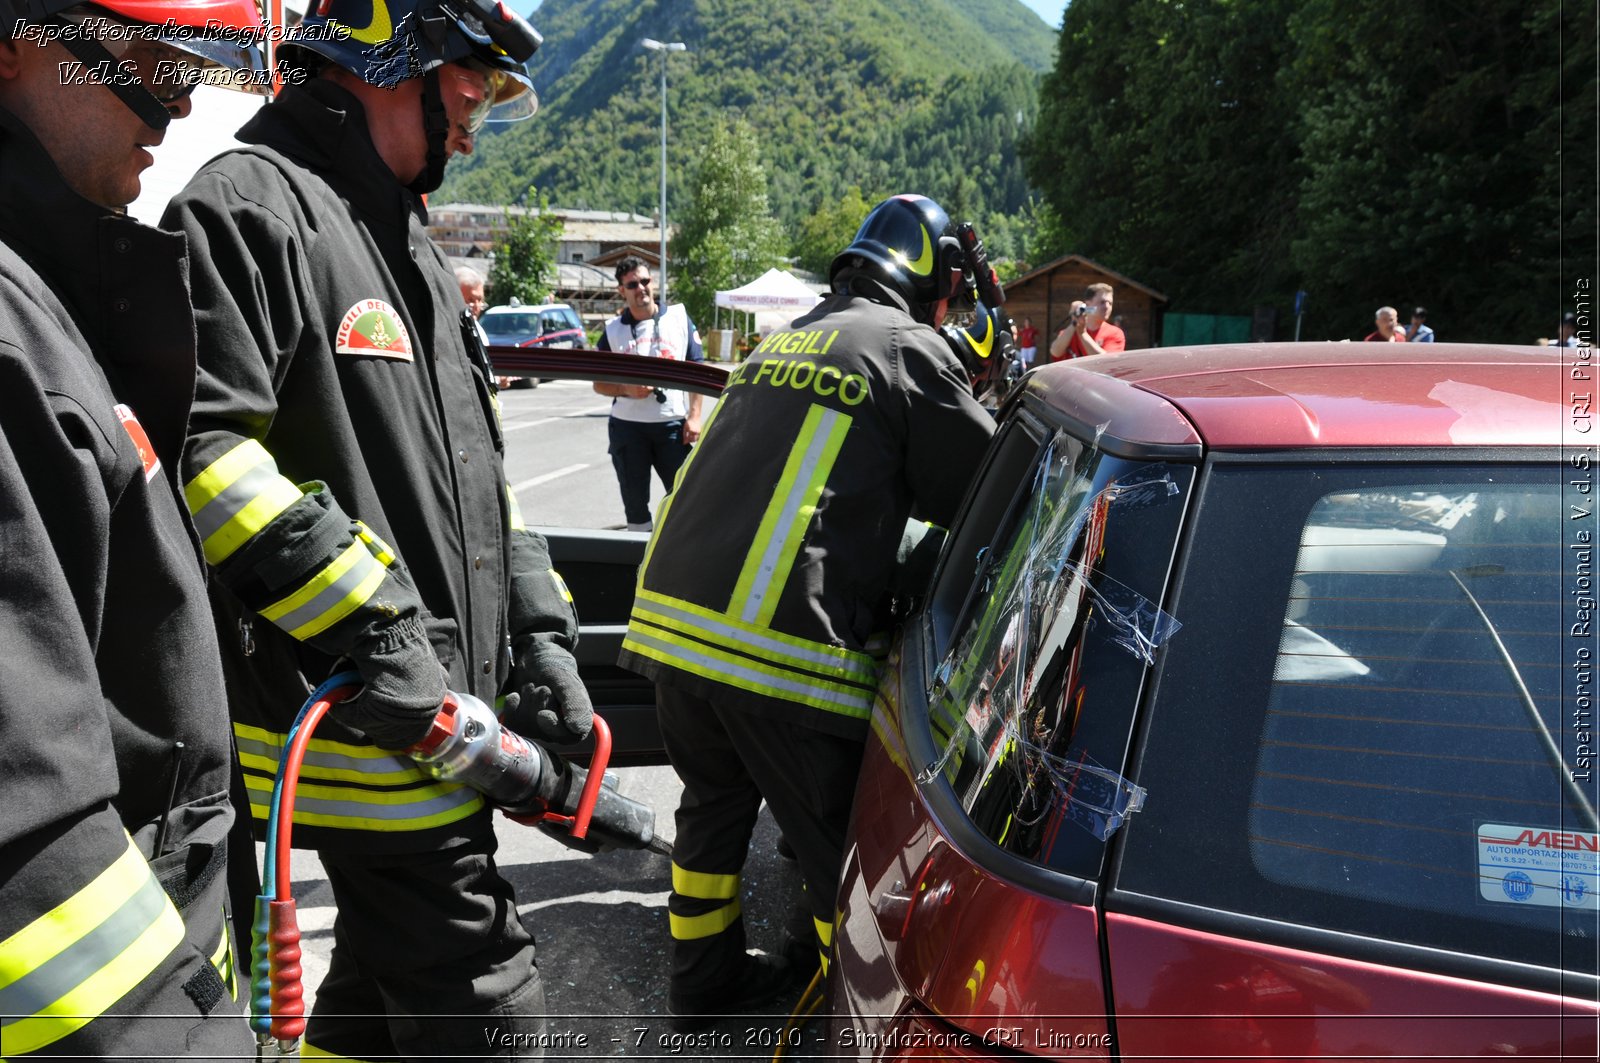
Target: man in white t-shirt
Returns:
[[651, 428]]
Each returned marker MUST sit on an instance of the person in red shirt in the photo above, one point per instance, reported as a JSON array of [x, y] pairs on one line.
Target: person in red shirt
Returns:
[[1091, 330], [1386, 319], [1027, 342]]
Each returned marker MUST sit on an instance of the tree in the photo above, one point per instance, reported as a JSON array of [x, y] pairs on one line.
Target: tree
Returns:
[[1162, 147], [525, 261], [728, 235], [829, 230], [1432, 175]]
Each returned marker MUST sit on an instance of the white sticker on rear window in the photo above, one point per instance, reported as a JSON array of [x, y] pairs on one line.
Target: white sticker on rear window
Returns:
[[1538, 865]]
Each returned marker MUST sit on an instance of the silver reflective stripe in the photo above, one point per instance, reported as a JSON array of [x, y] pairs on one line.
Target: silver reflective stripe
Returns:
[[747, 677], [412, 809], [772, 550], [65, 971], [331, 596], [748, 640], [232, 499], [337, 762]]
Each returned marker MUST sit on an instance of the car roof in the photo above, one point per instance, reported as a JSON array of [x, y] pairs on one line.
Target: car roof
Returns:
[[526, 308], [1251, 396]]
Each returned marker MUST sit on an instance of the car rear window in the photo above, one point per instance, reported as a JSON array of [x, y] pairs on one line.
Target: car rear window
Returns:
[[1377, 719], [517, 323]]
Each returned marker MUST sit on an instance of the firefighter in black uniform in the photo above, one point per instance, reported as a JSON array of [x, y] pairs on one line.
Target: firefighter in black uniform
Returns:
[[761, 610], [344, 472], [114, 747]]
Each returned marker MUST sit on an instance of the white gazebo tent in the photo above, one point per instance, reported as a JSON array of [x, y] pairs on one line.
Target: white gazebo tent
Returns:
[[775, 298]]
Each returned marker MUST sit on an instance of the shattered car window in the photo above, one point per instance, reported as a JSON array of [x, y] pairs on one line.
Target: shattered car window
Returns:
[[1008, 698]]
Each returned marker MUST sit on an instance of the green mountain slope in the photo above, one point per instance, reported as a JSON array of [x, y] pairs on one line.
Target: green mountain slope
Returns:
[[887, 95]]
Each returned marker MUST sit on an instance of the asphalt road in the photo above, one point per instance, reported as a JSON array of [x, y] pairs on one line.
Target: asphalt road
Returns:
[[600, 921], [556, 458]]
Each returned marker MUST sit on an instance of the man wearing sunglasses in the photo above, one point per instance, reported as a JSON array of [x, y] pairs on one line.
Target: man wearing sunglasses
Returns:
[[344, 470], [650, 428], [113, 936]]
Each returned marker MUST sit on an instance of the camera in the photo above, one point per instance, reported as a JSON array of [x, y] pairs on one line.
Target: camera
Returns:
[[661, 396]]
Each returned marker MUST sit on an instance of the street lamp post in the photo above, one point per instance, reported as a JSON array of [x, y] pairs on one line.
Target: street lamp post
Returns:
[[663, 48]]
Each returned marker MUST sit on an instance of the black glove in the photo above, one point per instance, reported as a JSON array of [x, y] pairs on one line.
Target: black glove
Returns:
[[546, 694], [402, 687]]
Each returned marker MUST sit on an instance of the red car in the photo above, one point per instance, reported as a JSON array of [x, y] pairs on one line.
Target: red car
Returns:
[[1249, 715]]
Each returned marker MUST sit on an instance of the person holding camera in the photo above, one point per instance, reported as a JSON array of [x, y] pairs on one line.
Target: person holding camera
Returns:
[[1090, 330], [649, 427]]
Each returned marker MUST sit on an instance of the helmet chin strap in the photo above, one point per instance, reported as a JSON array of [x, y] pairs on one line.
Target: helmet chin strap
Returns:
[[436, 127], [93, 55]]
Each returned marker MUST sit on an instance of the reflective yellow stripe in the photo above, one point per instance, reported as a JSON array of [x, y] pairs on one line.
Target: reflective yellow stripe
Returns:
[[71, 964], [235, 497], [694, 927], [514, 510], [561, 586], [222, 960], [703, 885], [746, 673], [789, 512], [388, 811], [328, 760], [380, 549], [338, 590], [824, 932], [311, 1051], [776, 647]]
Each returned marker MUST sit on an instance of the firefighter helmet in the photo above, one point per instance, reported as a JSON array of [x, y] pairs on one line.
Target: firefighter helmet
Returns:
[[386, 42], [984, 346], [217, 42], [907, 243]]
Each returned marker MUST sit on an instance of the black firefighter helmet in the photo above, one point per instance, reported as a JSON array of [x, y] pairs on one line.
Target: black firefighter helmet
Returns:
[[907, 244], [386, 42]]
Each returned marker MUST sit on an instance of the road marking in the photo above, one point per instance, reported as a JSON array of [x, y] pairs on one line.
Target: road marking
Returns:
[[518, 425], [617, 896], [517, 489]]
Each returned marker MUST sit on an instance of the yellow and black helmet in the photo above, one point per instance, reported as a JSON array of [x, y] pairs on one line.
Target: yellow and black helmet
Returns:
[[907, 244], [385, 42]]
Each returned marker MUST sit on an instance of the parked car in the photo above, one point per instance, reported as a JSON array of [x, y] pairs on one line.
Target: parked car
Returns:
[[544, 325], [1249, 715]]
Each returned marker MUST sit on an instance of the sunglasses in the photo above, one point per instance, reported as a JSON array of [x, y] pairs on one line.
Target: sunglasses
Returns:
[[634, 286], [166, 73]]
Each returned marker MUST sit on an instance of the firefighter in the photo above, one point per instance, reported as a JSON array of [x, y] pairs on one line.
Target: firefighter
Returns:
[[114, 745], [761, 609], [344, 471]]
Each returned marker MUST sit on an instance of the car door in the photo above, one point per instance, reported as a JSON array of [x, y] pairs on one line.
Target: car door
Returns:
[[1366, 832], [600, 565]]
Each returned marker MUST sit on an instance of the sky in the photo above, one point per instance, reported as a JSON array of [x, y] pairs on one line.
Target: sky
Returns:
[[1049, 10]]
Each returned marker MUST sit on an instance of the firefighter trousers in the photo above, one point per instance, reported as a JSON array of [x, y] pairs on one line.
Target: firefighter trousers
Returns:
[[429, 960], [730, 759]]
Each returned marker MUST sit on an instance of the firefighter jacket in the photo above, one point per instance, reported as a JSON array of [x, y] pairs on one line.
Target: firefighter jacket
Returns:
[[768, 570], [108, 661], [344, 462]]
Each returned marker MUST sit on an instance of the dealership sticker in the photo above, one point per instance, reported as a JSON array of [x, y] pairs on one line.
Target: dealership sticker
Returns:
[[1538, 865], [372, 327]]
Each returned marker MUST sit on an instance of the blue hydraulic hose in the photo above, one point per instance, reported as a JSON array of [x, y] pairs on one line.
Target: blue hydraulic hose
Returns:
[[269, 872]]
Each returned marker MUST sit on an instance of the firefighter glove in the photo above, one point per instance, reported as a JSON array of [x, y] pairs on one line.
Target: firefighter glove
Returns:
[[402, 687], [551, 699]]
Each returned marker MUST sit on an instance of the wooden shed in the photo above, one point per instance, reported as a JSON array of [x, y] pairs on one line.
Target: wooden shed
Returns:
[[1045, 295]]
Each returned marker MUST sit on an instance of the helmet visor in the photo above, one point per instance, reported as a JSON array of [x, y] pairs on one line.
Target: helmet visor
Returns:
[[511, 95]]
